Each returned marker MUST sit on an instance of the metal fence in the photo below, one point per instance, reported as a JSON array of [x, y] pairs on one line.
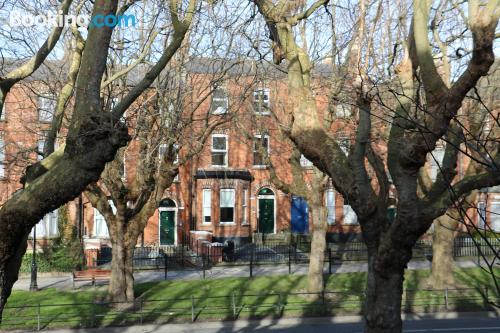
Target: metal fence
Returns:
[[191, 256], [231, 307], [472, 247]]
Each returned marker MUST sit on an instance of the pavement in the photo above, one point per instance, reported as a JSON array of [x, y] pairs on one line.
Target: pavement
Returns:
[[64, 281], [483, 322]]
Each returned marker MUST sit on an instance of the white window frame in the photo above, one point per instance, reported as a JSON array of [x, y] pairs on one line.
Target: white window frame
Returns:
[[259, 137], [229, 190], [46, 106], [225, 100], [344, 143], [48, 226], [304, 162], [481, 214], [494, 220], [40, 146], [161, 151], [330, 218], [4, 110], [244, 206], [206, 205], [260, 106], [2, 157], [343, 111], [348, 211], [99, 218], [436, 158], [225, 151]]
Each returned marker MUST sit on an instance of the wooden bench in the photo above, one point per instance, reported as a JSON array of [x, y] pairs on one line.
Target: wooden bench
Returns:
[[91, 275]]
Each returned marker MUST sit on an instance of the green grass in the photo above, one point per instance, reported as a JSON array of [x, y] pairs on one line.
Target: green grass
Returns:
[[264, 296]]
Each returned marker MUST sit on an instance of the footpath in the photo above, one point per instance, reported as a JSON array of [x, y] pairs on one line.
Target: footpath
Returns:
[[63, 281]]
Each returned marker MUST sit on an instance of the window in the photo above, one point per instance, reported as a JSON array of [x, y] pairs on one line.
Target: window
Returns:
[[330, 207], [162, 150], [167, 114], [48, 226], [244, 207], [2, 157], [46, 107], [304, 162], [226, 206], [123, 167], [207, 206], [350, 216], [220, 101], [100, 226], [481, 211], [219, 150], [260, 101], [435, 160], [4, 111], [39, 149], [344, 144], [495, 216], [260, 150], [343, 111]]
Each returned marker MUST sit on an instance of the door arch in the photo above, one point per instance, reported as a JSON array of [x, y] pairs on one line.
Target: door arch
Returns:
[[167, 222], [266, 211]]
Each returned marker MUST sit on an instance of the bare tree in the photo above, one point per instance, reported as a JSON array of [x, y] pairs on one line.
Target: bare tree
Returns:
[[93, 138], [413, 135]]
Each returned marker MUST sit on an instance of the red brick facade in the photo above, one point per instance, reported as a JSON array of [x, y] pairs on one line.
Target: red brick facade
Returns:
[[239, 180]]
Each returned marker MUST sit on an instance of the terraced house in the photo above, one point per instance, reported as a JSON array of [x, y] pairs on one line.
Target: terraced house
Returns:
[[225, 192]]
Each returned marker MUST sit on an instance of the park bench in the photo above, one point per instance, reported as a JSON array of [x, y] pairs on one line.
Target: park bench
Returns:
[[91, 275]]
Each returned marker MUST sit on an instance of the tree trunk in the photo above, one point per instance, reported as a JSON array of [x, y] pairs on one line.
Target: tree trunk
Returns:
[[383, 299], [315, 283], [11, 258], [442, 253], [121, 286]]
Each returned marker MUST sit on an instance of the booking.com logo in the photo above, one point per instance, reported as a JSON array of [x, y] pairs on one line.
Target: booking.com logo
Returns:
[[17, 19]]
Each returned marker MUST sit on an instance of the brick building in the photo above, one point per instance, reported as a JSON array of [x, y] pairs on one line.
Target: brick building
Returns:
[[225, 191]]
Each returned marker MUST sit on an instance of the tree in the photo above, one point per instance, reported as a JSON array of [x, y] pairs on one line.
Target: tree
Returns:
[[93, 137], [422, 117], [169, 131], [312, 190], [478, 140]]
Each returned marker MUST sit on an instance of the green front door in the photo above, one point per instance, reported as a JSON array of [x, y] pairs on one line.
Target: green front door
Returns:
[[167, 227], [266, 216]]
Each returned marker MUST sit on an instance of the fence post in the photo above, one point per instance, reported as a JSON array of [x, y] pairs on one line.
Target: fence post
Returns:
[[279, 304], [330, 260], [203, 264], [486, 297], [165, 258], [192, 309], [289, 260], [182, 252], [92, 316], [234, 306], [251, 263], [140, 308], [324, 301], [446, 298], [38, 317]]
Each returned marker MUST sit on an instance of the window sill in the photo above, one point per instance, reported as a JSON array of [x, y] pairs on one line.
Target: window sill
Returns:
[[227, 223], [260, 167], [219, 166]]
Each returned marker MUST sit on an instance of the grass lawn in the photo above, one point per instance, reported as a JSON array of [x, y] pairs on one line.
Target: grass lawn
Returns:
[[222, 298]]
